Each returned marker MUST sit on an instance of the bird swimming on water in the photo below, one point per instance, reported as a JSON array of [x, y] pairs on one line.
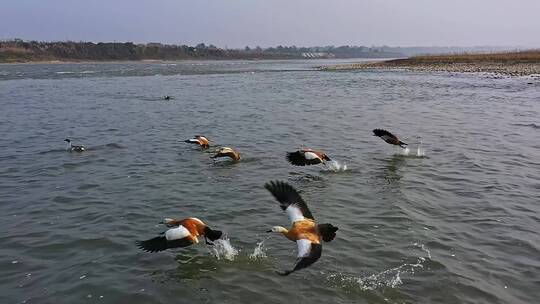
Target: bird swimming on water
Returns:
[[389, 137], [306, 157], [71, 147], [304, 231], [182, 233], [227, 152], [200, 140], [166, 97]]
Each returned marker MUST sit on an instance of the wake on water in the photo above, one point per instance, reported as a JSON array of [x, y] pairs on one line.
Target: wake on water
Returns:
[[387, 278]]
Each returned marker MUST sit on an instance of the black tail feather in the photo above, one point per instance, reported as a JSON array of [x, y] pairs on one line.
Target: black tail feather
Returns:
[[328, 232], [212, 234]]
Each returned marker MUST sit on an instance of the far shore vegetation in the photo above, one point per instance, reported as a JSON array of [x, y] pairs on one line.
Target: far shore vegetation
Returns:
[[17, 50], [517, 63]]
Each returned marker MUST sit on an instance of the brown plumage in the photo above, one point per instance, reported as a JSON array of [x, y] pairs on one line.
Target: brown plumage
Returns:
[[306, 157], [200, 140], [182, 233], [389, 137], [304, 231], [227, 152]]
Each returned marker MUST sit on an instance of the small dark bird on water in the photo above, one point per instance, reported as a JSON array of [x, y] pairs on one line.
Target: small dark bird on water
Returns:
[[389, 137], [306, 157], [166, 97], [74, 148], [304, 231], [183, 233]]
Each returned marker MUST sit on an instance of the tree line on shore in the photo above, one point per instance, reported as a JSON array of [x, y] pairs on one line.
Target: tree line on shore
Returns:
[[17, 50]]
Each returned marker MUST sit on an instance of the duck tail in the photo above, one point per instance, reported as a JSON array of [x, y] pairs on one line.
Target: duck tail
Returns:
[[327, 231], [402, 144], [212, 234]]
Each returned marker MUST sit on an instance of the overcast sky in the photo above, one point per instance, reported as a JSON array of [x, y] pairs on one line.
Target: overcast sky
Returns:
[[237, 23]]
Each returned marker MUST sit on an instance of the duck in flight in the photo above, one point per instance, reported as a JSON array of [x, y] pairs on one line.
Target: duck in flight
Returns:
[[306, 157], [200, 140], [227, 152], [304, 231], [74, 148], [182, 233], [389, 137]]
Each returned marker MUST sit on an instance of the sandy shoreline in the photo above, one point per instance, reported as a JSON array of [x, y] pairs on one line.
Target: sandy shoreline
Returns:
[[519, 69]]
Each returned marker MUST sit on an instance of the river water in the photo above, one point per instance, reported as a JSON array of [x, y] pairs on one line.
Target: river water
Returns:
[[455, 219]]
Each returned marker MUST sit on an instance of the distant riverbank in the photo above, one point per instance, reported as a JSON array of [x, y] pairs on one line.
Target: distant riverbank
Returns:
[[20, 51], [510, 63]]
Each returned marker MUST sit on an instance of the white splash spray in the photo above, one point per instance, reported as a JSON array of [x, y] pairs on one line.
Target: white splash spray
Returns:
[[222, 249], [387, 278], [420, 151], [259, 252], [336, 166]]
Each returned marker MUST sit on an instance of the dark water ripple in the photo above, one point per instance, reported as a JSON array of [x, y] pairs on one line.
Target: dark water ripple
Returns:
[[458, 225]]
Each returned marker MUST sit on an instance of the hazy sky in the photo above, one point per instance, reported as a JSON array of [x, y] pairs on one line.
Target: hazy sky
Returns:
[[236, 23]]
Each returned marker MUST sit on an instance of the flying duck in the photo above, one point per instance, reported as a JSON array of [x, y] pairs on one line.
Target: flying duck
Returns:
[[306, 157], [389, 137], [182, 233], [227, 152], [304, 231], [200, 140], [71, 147]]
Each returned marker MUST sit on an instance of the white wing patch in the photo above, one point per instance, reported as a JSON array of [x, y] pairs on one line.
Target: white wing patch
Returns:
[[177, 233], [310, 155], [294, 213], [304, 248]]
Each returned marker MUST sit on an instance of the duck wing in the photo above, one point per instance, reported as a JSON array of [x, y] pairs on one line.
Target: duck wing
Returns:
[[172, 238], [289, 200], [303, 158], [384, 134], [308, 253]]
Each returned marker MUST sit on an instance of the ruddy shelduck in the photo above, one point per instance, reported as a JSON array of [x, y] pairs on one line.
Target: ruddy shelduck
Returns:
[[227, 152], [200, 140], [74, 148], [307, 157], [304, 231], [389, 137], [182, 233]]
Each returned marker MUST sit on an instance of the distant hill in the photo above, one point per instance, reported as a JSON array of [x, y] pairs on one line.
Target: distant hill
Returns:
[[18, 50]]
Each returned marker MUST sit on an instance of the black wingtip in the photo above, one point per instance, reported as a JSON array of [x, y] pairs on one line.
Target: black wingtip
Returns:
[[282, 192], [296, 158], [156, 244]]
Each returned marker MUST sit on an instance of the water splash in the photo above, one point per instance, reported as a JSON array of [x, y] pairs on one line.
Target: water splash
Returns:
[[222, 249], [420, 151], [259, 252], [390, 278], [403, 152], [336, 166]]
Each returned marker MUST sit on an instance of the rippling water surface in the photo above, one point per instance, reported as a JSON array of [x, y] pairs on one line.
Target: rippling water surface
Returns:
[[458, 224]]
